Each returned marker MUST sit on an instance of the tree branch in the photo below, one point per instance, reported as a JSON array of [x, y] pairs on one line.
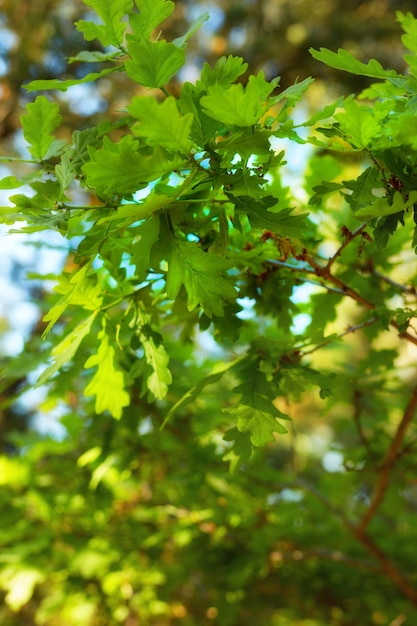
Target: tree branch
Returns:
[[324, 273], [389, 462], [387, 567], [348, 237]]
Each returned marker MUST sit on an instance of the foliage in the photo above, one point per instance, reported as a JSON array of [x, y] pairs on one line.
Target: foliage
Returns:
[[212, 335]]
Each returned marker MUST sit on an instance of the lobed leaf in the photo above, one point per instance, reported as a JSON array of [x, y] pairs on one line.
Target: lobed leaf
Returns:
[[260, 424], [358, 123], [41, 119], [107, 383], [153, 63], [63, 85], [344, 60], [235, 106], [78, 289], [120, 168], [260, 216], [225, 71], [113, 29], [202, 275], [65, 350], [151, 14], [161, 124]]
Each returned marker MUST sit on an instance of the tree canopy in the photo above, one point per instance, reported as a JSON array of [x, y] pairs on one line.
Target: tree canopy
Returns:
[[227, 344]]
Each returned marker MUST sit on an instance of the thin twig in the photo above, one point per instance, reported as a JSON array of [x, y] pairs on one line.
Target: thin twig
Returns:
[[404, 288], [350, 329], [324, 273], [349, 237]]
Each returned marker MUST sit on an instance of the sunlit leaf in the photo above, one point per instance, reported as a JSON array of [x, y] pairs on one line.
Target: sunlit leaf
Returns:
[[78, 289], [161, 123], [40, 121], [63, 85], [107, 384], [112, 30], [202, 274], [344, 60], [151, 14], [153, 63], [120, 168], [65, 350], [235, 106], [225, 71]]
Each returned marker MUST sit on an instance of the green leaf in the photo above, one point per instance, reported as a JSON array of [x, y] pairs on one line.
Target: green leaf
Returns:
[[79, 290], [159, 378], [192, 394], [107, 383], [202, 274], [255, 412], [301, 377], [404, 129], [409, 25], [153, 63], [242, 448], [259, 423], [358, 123], [194, 27], [79, 149], [147, 235], [234, 106], [121, 169], [203, 127], [41, 119], [344, 60], [246, 143], [161, 123], [294, 93], [65, 350], [224, 72], [113, 29], [130, 213], [324, 113], [322, 190], [63, 85], [157, 359], [363, 189], [151, 14], [93, 56], [65, 172], [10, 182], [386, 226], [385, 206], [260, 216]]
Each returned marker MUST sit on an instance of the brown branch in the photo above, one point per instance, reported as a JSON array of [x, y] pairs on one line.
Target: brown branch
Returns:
[[387, 567], [389, 462], [349, 236], [324, 273], [394, 574]]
